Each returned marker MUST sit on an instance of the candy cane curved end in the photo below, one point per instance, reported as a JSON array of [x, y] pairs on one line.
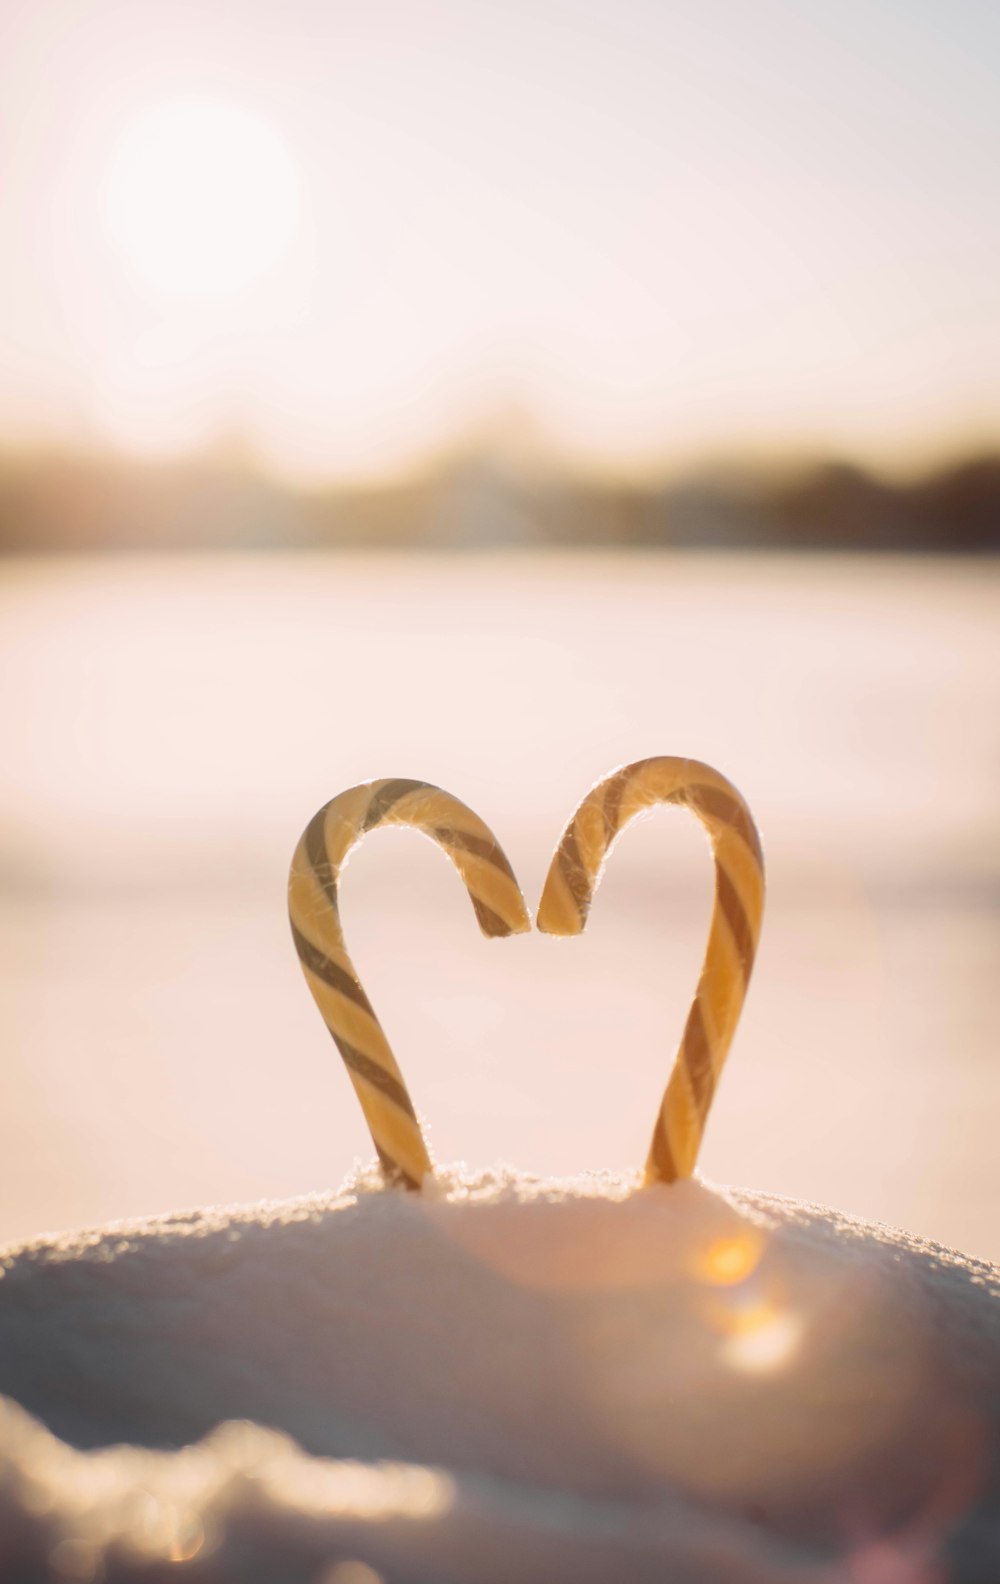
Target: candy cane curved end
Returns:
[[314, 913], [733, 934]]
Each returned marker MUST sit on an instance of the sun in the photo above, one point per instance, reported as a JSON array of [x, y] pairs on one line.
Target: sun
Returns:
[[202, 198]]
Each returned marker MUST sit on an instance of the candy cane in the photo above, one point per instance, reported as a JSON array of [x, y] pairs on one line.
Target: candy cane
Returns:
[[732, 939], [315, 918]]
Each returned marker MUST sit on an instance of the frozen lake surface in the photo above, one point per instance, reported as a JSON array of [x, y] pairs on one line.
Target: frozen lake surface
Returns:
[[169, 726]]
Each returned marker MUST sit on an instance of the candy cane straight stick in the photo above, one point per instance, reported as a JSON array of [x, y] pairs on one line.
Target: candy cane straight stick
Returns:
[[315, 918], [732, 939]]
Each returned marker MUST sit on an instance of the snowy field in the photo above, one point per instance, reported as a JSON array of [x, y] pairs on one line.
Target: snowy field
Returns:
[[169, 727], [500, 1379]]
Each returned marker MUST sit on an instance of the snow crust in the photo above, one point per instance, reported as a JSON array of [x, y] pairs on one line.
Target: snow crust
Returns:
[[502, 1379]]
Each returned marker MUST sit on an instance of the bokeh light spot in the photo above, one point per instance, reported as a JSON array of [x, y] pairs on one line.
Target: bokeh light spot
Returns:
[[729, 1260]]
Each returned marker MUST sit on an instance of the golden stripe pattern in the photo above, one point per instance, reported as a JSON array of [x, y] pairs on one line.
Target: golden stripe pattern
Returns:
[[314, 912], [732, 938]]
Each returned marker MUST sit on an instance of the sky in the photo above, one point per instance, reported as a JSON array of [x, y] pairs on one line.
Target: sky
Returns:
[[626, 233]]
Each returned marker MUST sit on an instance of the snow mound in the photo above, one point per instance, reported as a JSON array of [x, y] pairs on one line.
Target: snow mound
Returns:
[[502, 1378]]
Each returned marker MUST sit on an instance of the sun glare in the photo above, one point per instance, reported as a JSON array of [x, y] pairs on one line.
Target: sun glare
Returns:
[[202, 199]]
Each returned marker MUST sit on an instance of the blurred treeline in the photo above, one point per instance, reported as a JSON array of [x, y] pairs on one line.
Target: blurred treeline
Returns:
[[63, 504]]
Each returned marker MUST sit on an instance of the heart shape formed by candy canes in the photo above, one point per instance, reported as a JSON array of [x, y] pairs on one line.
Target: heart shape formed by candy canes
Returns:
[[573, 876]]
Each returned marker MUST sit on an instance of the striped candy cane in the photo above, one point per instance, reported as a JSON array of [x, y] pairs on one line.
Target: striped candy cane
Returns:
[[315, 918], [732, 940]]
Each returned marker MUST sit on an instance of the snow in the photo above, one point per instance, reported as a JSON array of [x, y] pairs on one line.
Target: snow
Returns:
[[505, 1378]]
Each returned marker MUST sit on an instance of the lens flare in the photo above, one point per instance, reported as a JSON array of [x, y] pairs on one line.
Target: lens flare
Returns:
[[766, 1339], [729, 1260]]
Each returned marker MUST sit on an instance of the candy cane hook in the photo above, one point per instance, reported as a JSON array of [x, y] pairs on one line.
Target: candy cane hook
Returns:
[[732, 939], [315, 918]]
